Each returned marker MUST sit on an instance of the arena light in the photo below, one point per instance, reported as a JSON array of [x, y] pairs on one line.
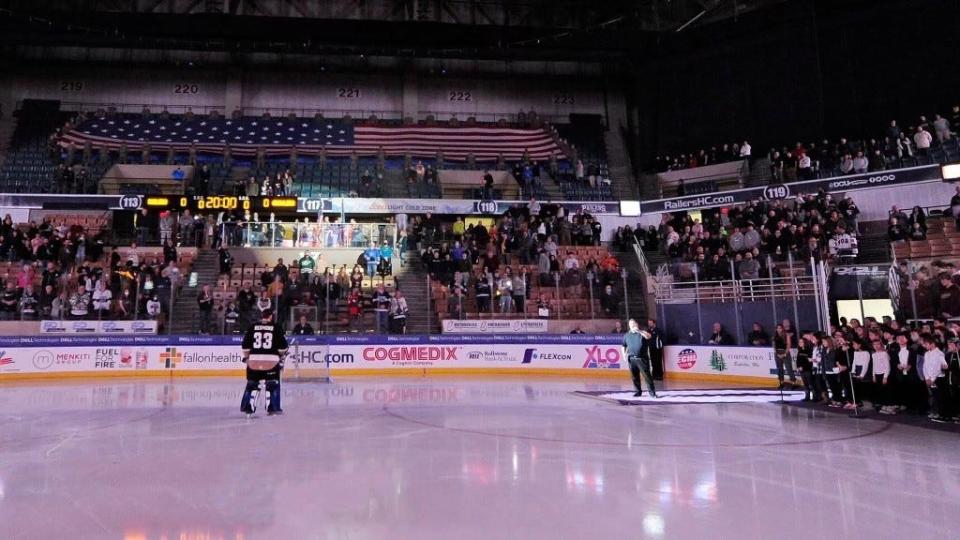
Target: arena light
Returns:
[[157, 202], [951, 172], [629, 208]]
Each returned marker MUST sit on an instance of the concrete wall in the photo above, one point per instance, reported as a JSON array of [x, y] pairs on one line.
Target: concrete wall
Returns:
[[387, 95]]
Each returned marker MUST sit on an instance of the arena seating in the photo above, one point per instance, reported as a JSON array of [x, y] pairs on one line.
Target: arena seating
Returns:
[[71, 270], [31, 166], [563, 301], [30, 163], [255, 275], [942, 240]]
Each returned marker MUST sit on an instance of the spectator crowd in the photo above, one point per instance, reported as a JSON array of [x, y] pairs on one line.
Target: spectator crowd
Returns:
[[897, 147], [537, 245], [896, 368], [809, 226], [60, 271], [313, 291]]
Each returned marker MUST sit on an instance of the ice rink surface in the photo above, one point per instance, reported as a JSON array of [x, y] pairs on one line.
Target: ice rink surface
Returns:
[[456, 458]]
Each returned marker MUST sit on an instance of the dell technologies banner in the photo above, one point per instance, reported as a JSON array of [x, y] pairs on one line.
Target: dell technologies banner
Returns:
[[785, 191]]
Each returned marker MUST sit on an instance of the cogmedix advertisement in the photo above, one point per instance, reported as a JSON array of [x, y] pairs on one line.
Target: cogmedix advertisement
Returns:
[[711, 360]]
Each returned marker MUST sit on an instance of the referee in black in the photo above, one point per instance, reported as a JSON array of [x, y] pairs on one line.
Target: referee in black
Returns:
[[636, 348]]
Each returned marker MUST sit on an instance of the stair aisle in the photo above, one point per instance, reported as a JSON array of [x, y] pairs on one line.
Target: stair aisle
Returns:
[[624, 184], [185, 311], [636, 303], [412, 280]]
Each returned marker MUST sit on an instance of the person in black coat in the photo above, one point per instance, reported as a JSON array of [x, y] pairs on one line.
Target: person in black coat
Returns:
[[655, 349], [805, 349], [906, 386], [303, 327], [720, 336], [226, 260], [828, 369]]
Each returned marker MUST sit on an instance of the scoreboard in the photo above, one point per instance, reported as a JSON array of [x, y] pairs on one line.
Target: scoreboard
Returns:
[[220, 203]]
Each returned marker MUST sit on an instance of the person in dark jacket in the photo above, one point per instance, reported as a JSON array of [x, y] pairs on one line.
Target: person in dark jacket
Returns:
[[904, 377], [226, 260], [720, 336], [949, 297], [758, 336], [303, 328], [805, 349], [828, 369]]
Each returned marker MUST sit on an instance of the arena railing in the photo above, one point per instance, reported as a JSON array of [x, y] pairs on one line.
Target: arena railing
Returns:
[[796, 283], [785, 297], [305, 112], [308, 234], [641, 258], [157, 108], [141, 293]]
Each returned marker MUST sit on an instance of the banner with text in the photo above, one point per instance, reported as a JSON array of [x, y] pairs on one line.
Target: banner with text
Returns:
[[478, 326], [130, 328], [853, 182], [710, 360], [94, 355]]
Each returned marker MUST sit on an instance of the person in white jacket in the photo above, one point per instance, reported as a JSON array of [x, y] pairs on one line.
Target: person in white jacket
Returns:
[[102, 297], [934, 364], [922, 139], [941, 127]]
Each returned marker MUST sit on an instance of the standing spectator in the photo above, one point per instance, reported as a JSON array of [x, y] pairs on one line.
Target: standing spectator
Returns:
[[102, 300], [28, 304], [942, 128], [9, 300], [758, 337], [922, 139], [398, 313], [893, 131], [877, 161], [918, 217], [846, 164], [482, 291], [860, 163], [231, 319], [949, 297], [25, 277], [355, 309], [609, 302], [521, 285], [205, 305], [935, 379], [381, 305], [955, 206], [456, 304], [372, 257], [805, 167], [80, 303], [166, 226], [505, 293], [225, 259], [153, 307], [749, 267]]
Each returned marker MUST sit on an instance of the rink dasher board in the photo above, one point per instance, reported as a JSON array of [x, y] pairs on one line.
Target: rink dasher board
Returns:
[[564, 354], [201, 355]]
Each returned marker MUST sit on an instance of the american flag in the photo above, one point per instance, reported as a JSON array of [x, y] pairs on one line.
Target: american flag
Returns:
[[277, 136]]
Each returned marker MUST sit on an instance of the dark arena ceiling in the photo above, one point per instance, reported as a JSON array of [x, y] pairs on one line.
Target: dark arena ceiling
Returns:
[[579, 30]]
